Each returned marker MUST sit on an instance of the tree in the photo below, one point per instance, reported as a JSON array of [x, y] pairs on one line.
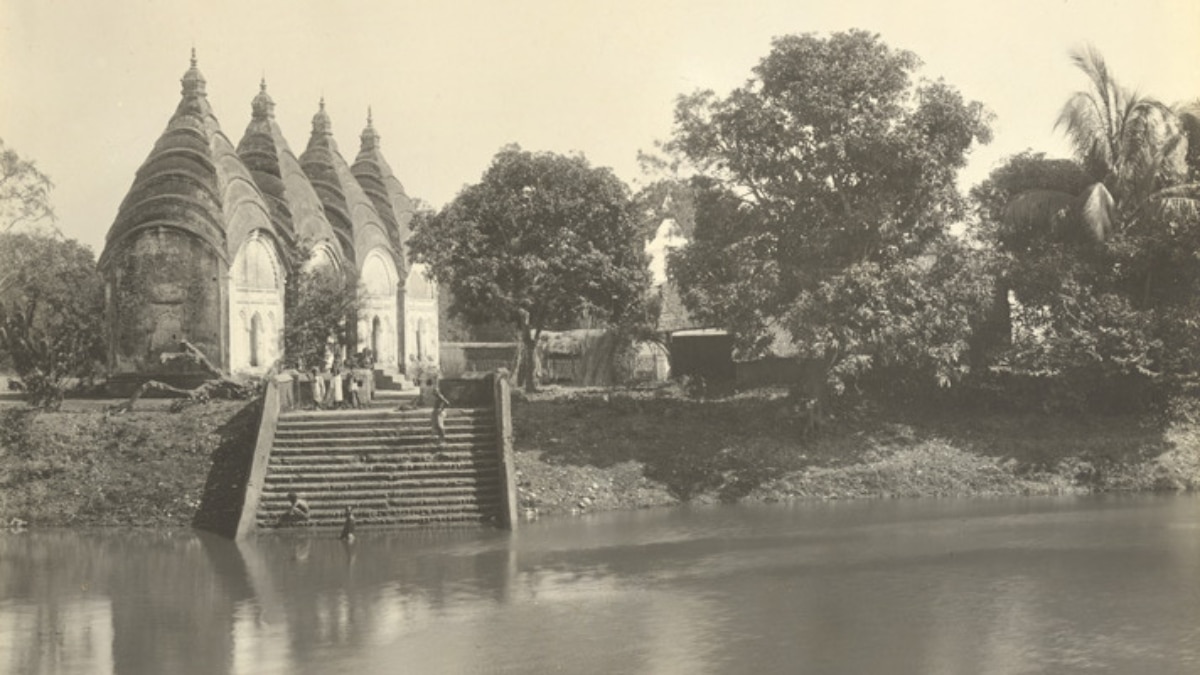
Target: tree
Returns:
[[51, 311], [24, 191], [1135, 151], [1097, 250], [322, 303], [827, 160], [541, 241]]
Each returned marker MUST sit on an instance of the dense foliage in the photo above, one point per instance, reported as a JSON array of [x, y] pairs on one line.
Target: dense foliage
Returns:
[[540, 242], [51, 314], [1098, 251], [830, 175], [322, 303]]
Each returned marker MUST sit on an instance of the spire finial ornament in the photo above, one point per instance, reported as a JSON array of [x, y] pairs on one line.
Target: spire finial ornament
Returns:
[[262, 106], [370, 137], [321, 123], [193, 81]]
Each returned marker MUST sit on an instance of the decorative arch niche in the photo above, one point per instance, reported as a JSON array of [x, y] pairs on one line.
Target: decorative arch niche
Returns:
[[256, 288], [421, 343], [380, 286]]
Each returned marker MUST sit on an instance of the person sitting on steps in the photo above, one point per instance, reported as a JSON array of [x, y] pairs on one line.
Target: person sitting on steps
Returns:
[[297, 513]]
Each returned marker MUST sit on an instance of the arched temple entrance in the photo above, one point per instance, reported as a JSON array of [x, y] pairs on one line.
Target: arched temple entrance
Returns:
[[378, 318], [255, 306], [420, 319]]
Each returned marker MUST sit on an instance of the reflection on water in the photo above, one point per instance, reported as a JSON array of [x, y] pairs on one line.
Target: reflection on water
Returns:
[[931, 586]]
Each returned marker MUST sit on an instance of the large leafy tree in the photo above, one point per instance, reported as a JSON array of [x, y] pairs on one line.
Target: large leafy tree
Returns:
[[322, 303], [827, 166], [51, 311], [541, 241]]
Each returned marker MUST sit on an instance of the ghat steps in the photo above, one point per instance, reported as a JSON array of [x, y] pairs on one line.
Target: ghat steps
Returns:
[[389, 465]]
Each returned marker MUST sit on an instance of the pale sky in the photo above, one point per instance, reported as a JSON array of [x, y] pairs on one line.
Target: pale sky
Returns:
[[87, 87]]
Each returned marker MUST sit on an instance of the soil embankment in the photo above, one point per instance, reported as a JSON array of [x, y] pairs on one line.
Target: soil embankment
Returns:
[[588, 450]]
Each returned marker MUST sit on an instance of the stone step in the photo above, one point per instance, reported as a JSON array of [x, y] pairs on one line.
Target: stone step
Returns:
[[274, 490], [390, 522], [367, 508], [414, 465], [424, 423], [424, 428], [316, 494], [409, 436], [395, 451], [334, 512], [305, 484], [336, 500], [369, 414], [396, 443]]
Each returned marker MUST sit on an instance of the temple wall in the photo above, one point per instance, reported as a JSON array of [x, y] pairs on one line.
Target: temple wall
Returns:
[[163, 287]]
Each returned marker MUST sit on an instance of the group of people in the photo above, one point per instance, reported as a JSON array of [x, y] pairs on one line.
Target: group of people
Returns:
[[341, 388]]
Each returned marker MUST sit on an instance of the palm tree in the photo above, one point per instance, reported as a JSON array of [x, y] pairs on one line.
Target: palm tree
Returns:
[[1134, 147]]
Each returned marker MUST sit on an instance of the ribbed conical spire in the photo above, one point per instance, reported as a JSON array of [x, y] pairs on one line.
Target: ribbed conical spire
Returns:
[[193, 82], [263, 106]]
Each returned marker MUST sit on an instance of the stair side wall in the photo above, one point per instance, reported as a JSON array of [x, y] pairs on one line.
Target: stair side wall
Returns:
[[262, 455]]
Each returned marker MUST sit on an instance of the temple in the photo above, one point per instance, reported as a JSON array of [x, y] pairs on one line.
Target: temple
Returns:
[[203, 244]]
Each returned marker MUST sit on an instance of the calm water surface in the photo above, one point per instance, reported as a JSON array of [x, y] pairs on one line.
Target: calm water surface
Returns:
[[927, 586]]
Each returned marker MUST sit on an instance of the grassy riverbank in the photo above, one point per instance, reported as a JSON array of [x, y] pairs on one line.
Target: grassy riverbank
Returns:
[[78, 467], [597, 450], [583, 450]]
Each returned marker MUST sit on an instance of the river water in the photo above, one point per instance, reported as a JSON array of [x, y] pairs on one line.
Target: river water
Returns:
[[1106, 584]]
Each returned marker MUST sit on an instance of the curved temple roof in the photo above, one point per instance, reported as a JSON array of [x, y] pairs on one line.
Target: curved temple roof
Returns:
[[193, 181], [381, 185], [295, 207], [355, 220]]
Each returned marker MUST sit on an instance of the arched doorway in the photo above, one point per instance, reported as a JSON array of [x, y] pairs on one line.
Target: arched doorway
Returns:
[[256, 306], [420, 319], [379, 282]]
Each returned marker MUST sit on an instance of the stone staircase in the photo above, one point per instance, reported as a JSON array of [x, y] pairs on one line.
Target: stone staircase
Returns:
[[388, 464]]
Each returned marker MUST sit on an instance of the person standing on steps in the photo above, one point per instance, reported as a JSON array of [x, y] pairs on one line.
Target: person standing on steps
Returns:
[[440, 403], [347, 534], [353, 396], [318, 389], [335, 383]]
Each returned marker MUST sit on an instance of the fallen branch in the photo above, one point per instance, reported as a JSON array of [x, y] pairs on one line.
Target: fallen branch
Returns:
[[219, 386]]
